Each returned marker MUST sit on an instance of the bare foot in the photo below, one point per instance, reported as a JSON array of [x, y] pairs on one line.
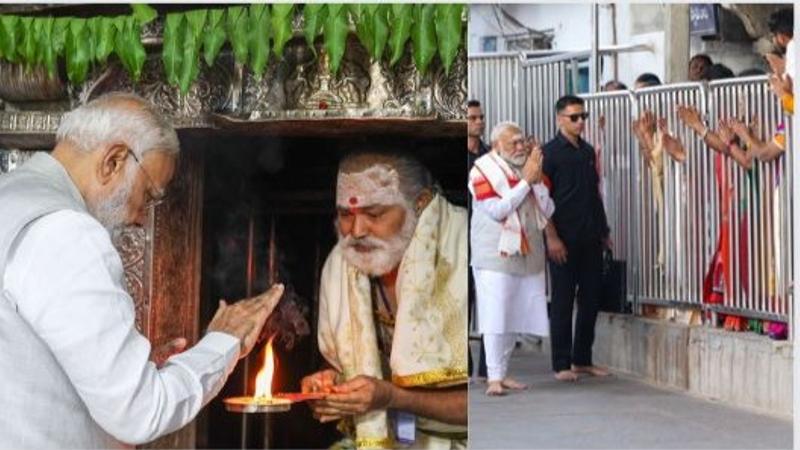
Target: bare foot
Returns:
[[510, 383], [594, 371], [495, 389], [566, 375]]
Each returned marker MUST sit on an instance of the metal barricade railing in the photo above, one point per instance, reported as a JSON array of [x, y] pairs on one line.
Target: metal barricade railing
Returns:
[[613, 142], [667, 225], [512, 86], [495, 81], [669, 219], [761, 226]]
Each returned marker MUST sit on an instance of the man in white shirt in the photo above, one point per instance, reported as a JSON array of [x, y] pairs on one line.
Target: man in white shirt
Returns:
[[75, 371]]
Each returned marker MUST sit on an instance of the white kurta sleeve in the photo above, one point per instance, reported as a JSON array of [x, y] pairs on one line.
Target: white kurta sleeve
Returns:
[[67, 281], [499, 208], [543, 198]]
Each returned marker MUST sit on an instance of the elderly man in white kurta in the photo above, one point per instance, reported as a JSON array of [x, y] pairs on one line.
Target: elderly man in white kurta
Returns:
[[74, 371], [511, 207], [393, 309]]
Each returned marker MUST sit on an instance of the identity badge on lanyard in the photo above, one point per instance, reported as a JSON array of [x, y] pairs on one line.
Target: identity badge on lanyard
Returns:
[[405, 427]]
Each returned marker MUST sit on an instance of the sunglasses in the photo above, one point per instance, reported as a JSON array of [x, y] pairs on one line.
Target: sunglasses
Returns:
[[576, 116]]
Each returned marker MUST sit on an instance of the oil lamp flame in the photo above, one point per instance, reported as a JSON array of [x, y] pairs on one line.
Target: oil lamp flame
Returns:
[[264, 376]]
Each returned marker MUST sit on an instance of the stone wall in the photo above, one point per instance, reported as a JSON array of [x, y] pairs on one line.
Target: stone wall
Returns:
[[740, 369]]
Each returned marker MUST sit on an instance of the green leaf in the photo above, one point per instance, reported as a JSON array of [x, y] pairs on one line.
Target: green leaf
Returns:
[[195, 22], [9, 37], [138, 53], [214, 37], [402, 17], [36, 31], [93, 31], [380, 29], [365, 27], [143, 13], [236, 25], [423, 36], [27, 48], [46, 50], [59, 37], [77, 51], [448, 32], [120, 48], [259, 38], [104, 40], [128, 46], [314, 15], [335, 32], [172, 51], [282, 15]]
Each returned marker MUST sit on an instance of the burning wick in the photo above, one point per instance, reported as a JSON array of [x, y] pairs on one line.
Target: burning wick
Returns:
[[264, 376], [263, 401]]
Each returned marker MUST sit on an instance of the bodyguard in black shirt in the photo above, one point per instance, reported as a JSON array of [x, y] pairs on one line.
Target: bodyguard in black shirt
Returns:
[[576, 236]]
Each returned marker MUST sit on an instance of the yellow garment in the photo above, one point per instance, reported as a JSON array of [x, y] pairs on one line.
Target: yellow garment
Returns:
[[787, 101], [429, 347]]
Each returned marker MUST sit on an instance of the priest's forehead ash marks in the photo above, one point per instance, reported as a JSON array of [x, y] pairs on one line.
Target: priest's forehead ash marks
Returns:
[[376, 185], [362, 161]]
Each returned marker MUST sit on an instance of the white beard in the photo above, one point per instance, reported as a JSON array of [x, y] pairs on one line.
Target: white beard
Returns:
[[112, 211], [385, 254], [516, 163]]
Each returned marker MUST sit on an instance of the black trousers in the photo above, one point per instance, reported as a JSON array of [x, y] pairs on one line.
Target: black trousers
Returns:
[[582, 271]]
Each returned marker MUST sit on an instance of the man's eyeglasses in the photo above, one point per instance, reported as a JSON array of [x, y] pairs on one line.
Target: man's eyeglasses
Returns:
[[472, 118], [157, 196], [576, 116]]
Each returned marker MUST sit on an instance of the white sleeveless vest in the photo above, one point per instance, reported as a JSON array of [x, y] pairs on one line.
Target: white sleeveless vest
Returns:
[[39, 407]]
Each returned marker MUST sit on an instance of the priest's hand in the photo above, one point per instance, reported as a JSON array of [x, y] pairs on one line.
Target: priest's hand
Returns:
[[356, 396], [322, 381], [245, 318]]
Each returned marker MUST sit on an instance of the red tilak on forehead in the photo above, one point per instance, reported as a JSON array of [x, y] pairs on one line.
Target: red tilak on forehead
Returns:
[[354, 209]]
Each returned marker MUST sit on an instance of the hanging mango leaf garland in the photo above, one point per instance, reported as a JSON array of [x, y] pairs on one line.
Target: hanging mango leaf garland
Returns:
[[335, 31], [402, 17], [282, 17], [448, 32], [192, 41], [253, 32], [314, 15], [258, 39], [214, 36]]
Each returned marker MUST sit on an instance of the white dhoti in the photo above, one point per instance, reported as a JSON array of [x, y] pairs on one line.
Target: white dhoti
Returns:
[[507, 305]]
